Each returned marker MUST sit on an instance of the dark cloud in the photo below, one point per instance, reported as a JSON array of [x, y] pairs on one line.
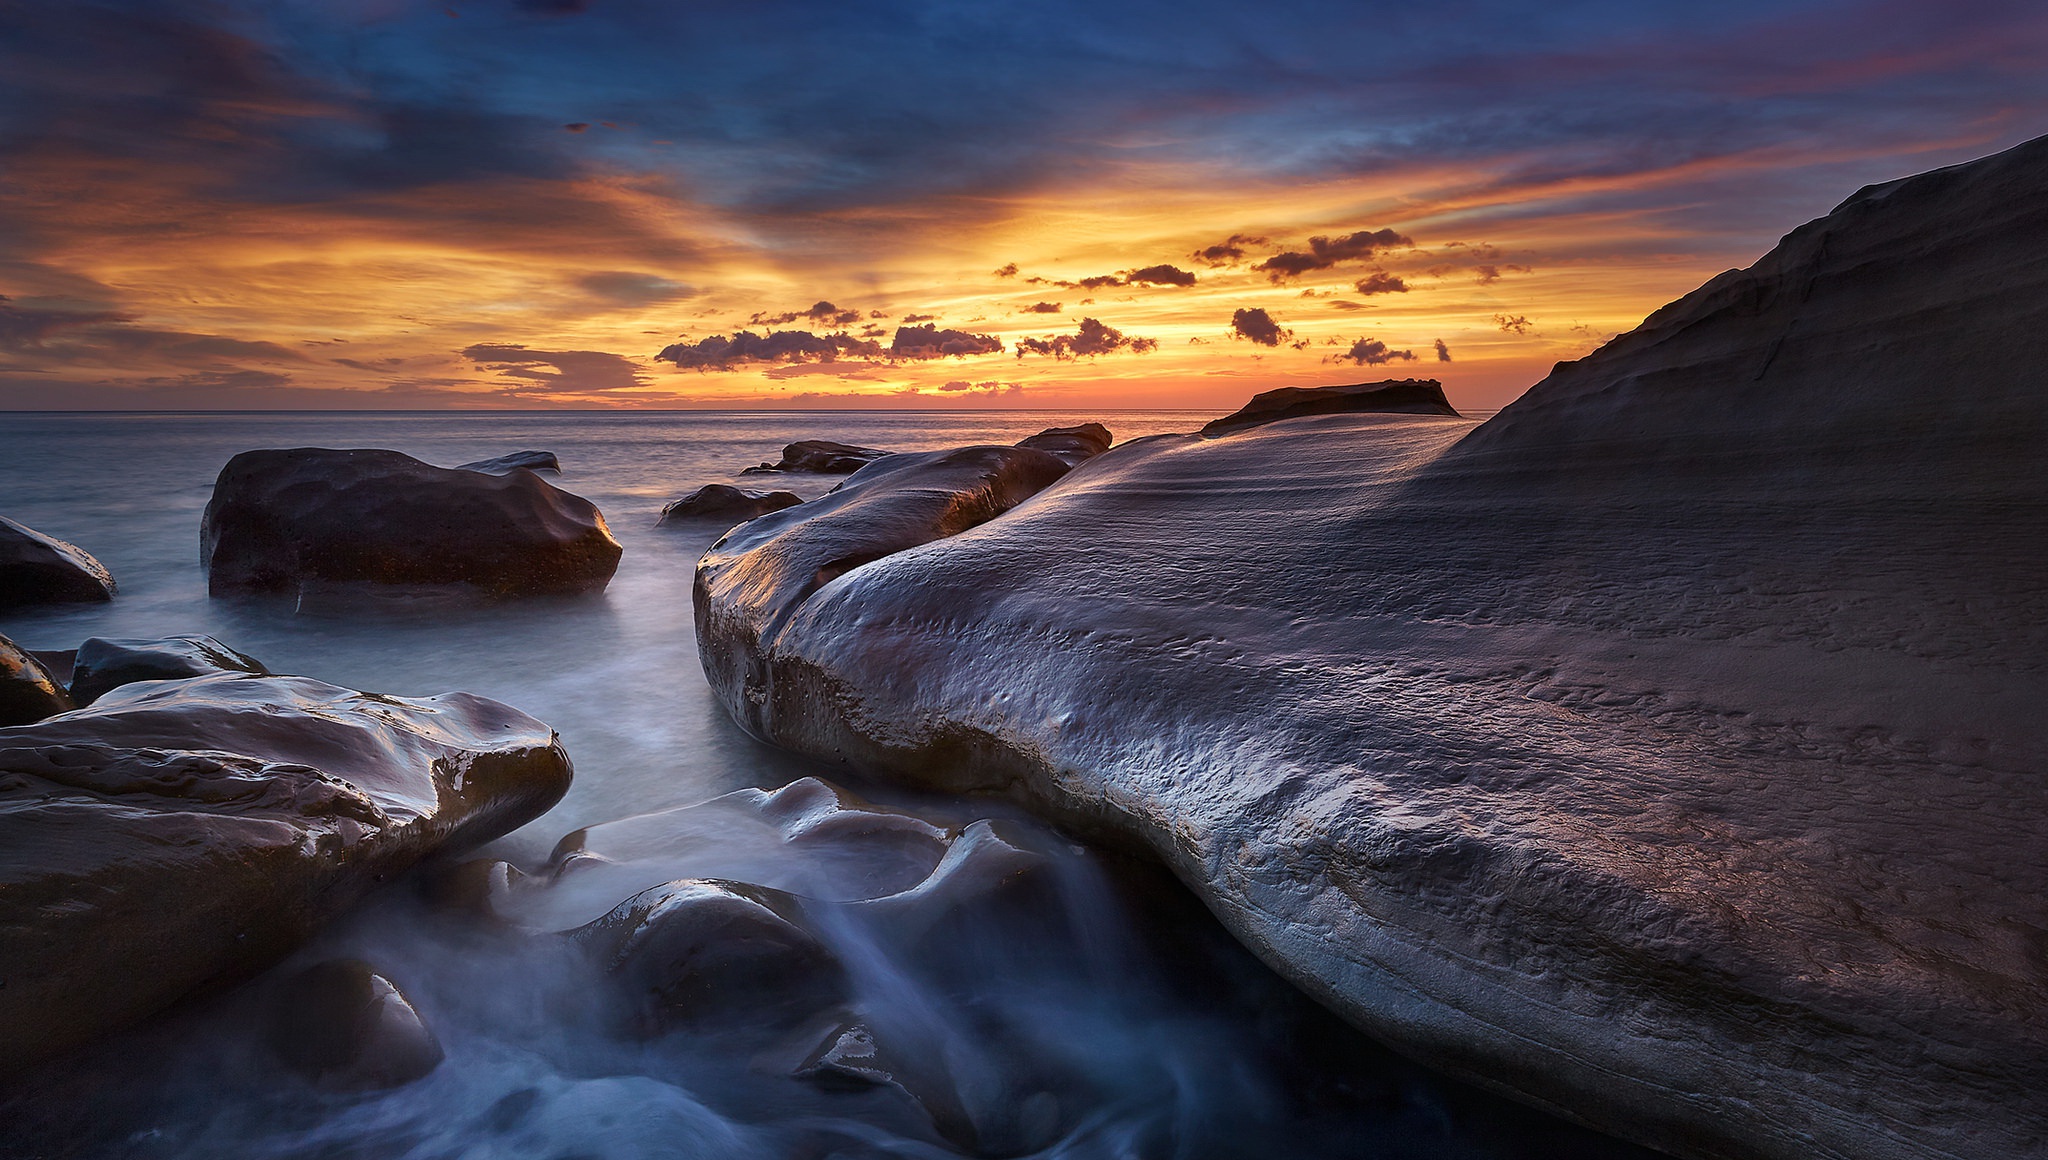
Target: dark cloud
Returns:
[[930, 342], [1227, 252], [1325, 252], [822, 313], [1092, 338], [626, 288], [557, 370], [22, 327], [1443, 353], [1008, 270], [723, 352], [1371, 352], [1161, 276], [913, 319], [1512, 323], [1491, 273], [989, 389], [554, 7], [1258, 326], [1040, 308], [1382, 283], [577, 126]]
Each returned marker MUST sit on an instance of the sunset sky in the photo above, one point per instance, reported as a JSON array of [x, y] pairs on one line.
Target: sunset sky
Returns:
[[623, 203]]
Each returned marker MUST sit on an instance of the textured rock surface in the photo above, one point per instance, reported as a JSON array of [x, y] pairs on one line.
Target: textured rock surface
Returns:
[[179, 833], [517, 460], [722, 501], [28, 691], [1074, 445], [101, 664], [311, 518], [1665, 751], [1389, 396], [821, 456], [37, 569]]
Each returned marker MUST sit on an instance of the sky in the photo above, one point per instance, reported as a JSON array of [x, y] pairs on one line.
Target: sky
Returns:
[[379, 204]]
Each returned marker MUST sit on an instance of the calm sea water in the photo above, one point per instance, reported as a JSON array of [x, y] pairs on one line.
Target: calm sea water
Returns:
[[1174, 1045]]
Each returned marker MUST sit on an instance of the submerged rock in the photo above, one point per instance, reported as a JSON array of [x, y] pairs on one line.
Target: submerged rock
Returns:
[[516, 461], [100, 664], [722, 501], [28, 691], [39, 569], [310, 518], [822, 457], [1389, 396], [1074, 445], [184, 833], [1665, 751], [343, 1025]]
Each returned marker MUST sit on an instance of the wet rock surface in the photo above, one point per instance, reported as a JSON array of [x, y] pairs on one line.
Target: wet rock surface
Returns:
[[39, 569], [1389, 396], [720, 501], [319, 521], [186, 833], [821, 457], [1073, 445], [343, 1025], [516, 461], [100, 665], [28, 691], [1664, 751]]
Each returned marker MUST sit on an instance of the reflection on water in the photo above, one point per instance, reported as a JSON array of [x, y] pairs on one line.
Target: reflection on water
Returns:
[[986, 989]]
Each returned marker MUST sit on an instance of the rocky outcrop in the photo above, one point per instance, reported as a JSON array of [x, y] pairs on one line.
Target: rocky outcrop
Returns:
[[342, 1025], [178, 834], [822, 457], [1388, 397], [1664, 751], [28, 691], [721, 501], [100, 664], [314, 520], [38, 569], [1075, 445], [516, 461]]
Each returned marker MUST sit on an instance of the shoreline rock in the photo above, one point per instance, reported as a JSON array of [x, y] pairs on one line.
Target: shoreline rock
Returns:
[[1387, 397], [821, 457], [39, 569], [516, 461], [719, 501]]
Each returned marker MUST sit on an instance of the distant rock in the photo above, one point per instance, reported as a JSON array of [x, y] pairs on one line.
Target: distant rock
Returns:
[[38, 569], [528, 460], [1074, 445], [344, 1026], [1665, 751], [1391, 396], [721, 501], [287, 521], [101, 664], [185, 833], [28, 691], [822, 457]]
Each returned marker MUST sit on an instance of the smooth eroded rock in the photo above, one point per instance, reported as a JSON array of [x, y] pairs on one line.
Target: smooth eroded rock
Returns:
[[40, 569], [102, 664], [516, 461], [722, 501], [344, 1026], [310, 518], [28, 691], [822, 457], [1387, 397], [1665, 751], [1075, 445], [184, 833]]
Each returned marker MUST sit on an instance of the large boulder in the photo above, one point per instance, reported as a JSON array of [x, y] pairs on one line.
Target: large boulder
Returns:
[[40, 569], [28, 690], [1665, 751], [102, 664], [179, 834], [1075, 445], [312, 519], [516, 461], [821, 457], [722, 501], [1387, 397]]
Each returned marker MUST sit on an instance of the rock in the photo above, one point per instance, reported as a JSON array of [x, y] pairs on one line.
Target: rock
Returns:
[[310, 518], [1074, 445], [101, 664], [1388, 397], [516, 461], [56, 662], [343, 1025], [38, 569], [821, 456], [720, 501], [27, 690], [180, 834], [1664, 751]]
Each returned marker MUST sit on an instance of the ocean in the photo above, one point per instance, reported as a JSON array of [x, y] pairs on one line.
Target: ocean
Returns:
[[1207, 1055]]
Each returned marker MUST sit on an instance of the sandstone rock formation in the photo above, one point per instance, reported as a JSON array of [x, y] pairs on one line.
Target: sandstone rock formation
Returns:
[[183, 833], [721, 501], [313, 519], [821, 456], [1390, 396], [515, 461], [101, 664], [1666, 751], [38, 569], [1075, 445]]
